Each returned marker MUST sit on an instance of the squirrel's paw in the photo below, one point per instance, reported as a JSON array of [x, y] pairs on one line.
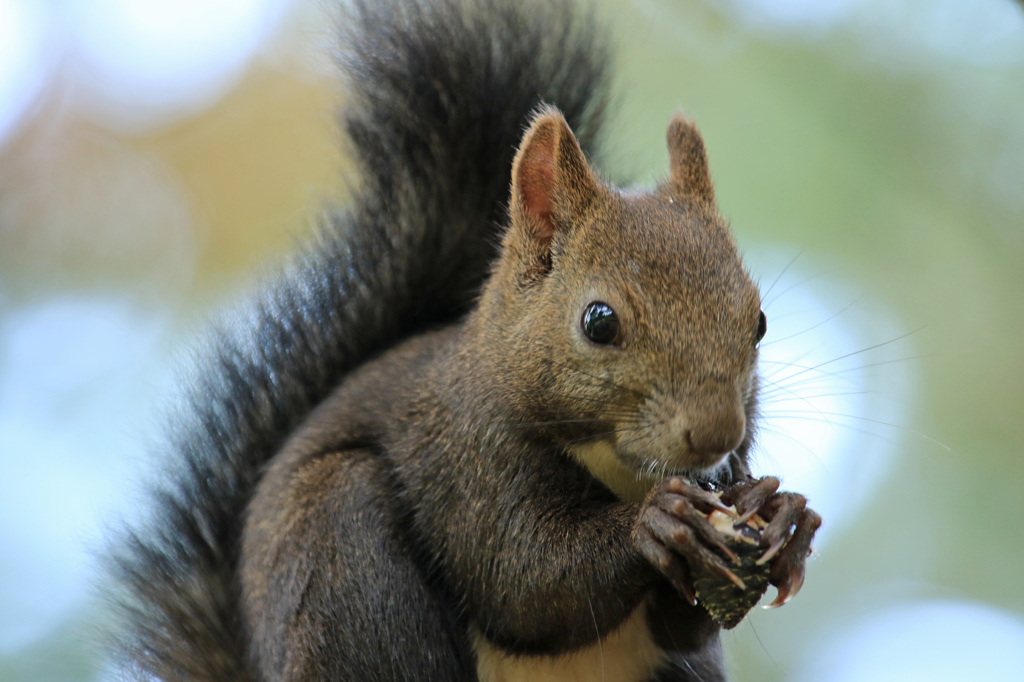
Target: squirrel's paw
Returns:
[[786, 538], [673, 533]]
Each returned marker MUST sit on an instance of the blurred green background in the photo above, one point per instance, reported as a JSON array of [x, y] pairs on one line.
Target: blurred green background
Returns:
[[868, 153]]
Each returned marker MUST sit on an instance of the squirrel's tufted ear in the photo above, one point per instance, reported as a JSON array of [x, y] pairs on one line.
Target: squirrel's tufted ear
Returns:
[[551, 181], [690, 178]]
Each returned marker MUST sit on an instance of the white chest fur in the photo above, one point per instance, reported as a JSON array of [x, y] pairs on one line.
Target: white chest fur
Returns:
[[628, 654], [604, 464]]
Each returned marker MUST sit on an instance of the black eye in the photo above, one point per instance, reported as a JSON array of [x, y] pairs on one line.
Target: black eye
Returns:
[[762, 327], [600, 323]]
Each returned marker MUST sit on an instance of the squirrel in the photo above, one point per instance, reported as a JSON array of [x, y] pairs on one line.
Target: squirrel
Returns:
[[474, 430]]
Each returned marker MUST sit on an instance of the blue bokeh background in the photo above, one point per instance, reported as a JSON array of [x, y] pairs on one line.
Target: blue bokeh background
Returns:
[[157, 157]]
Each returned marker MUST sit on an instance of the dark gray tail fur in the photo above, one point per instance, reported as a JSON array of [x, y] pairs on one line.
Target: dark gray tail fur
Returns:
[[440, 94]]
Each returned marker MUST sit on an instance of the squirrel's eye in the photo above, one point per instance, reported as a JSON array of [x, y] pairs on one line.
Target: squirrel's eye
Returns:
[[762, 327], [600, 323]]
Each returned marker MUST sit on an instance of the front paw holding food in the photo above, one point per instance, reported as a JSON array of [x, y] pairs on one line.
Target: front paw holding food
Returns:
[[789, 529], [723, 549]]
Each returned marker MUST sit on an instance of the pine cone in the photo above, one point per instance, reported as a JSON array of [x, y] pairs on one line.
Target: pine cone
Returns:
[[726, 602]]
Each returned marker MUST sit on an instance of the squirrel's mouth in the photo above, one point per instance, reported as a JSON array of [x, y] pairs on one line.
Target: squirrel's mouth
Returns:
[[657, 457], [630, 476], [659, 469]]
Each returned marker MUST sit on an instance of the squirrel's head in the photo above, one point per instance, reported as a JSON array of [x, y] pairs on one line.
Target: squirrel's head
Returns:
[[623, 322]]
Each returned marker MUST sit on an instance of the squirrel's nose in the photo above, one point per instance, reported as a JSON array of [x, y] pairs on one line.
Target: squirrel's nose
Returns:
[[715, 432]]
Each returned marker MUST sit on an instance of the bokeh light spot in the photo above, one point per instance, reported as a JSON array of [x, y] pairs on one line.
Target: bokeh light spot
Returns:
[[938, 641], [27, 56], [144, 62]]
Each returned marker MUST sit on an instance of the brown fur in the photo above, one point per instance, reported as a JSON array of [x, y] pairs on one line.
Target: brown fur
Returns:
[[439, 496]]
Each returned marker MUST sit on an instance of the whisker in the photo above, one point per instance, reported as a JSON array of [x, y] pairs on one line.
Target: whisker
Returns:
[[631, 441], [605, 380], [776, 400], [819, 374], [784, 270], [796, 441], [790, 288], [797, 414], [848, 427], [839, 372], [825, 321], [795, 395], [600, 434], [863, 430], [857, 352], [763, 648], [599, 407], [594, 420]]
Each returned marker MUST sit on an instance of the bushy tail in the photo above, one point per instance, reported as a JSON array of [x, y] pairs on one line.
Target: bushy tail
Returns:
[[440, 92]]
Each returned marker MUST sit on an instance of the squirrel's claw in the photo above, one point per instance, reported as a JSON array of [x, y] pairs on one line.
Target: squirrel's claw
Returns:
[[750, 496], [787, 572], [787, 591], [684, 540], [786, 537], [669, 565], [697, 496], [674, 534], [772, 551], [681, 508]]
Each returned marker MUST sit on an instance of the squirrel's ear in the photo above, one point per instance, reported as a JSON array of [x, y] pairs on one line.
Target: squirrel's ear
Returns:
[[690, 178], [551, 181]]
